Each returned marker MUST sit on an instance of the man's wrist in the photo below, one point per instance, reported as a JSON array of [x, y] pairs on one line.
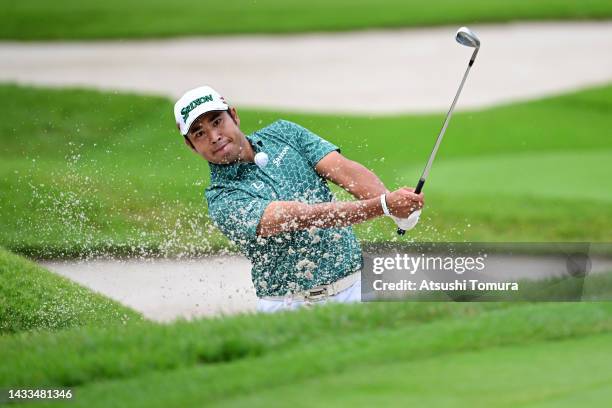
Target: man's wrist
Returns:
[[372, 207]]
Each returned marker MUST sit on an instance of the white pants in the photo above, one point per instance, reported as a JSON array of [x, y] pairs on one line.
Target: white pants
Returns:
[[352, 294]]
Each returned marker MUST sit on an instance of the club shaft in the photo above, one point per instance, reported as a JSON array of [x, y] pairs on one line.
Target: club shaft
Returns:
[[432, 156]]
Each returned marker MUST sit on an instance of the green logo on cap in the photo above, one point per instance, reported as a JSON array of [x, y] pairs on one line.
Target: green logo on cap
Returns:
[[196, 102]]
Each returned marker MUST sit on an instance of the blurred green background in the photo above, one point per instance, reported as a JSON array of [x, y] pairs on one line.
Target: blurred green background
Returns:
[[73, 19]]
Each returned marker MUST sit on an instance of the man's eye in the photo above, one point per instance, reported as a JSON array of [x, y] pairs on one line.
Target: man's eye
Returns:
[[217, 122]]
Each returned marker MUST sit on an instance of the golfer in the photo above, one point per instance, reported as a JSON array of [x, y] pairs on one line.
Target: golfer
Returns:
[[268, 194]]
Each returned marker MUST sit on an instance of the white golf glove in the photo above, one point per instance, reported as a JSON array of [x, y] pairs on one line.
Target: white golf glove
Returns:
[[404, 223], [407, 223]]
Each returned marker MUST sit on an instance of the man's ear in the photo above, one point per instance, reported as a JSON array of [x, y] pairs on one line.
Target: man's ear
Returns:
[[188, 143], [234, 114]]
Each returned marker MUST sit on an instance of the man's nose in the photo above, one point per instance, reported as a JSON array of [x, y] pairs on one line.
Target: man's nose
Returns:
[[215, 136]]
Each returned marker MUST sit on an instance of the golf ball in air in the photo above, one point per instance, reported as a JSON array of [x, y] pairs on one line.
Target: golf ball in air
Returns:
[[261, 159]]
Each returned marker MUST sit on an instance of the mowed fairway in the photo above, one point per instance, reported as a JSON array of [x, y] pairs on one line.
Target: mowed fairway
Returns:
[[554, 374], [586, 171], [100, 172], [158, 18], [392, 354]]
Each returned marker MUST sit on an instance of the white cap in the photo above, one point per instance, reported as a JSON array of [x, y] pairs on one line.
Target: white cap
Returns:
[[195, 103]]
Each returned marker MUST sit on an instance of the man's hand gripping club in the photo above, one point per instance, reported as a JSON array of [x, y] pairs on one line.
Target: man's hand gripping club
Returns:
[[403, 206]]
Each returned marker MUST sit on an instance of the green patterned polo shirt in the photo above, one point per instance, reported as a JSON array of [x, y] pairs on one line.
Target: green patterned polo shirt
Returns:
[[239, 193]]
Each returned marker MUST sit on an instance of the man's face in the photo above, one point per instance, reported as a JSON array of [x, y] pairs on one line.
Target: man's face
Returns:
[[216, 136]]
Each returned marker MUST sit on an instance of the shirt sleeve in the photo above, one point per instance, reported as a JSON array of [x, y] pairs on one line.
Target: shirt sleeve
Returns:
[[237, 213], [313, 147]]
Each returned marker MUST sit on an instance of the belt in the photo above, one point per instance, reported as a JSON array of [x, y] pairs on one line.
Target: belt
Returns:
[[320, 292]]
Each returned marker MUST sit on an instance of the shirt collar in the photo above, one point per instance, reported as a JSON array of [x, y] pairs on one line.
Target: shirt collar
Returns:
[[233, 171]]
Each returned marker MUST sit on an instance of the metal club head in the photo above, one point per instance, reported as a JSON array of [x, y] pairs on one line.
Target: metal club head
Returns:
[[466, 37]]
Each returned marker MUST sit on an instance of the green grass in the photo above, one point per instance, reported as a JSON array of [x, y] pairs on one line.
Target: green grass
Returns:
[[499, 377], [82, 355], [84, 172], [32, 298], [288, 357], [70, 19]]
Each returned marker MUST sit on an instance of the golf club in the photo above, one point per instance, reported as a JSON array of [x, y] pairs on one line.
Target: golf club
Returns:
[[466, 37]]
